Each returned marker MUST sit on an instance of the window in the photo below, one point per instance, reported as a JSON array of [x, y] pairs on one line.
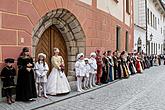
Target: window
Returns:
[[148, 16], [153, 21], [151, 18], [153, 24], [152, 48], [118, 38], [127, 41], [156, 48], [128, 6]]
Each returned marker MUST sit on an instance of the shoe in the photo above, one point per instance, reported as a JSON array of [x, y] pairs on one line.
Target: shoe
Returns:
[[46, 97], [8, 101], [79, 91], [82, 90], [31, 100], [12, 100]]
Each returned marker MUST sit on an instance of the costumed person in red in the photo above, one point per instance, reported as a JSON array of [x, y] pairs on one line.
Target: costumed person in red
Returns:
[[99, 67], [138, 64]]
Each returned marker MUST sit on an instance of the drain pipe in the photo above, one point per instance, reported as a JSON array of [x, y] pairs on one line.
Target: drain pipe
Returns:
[[147, 43]]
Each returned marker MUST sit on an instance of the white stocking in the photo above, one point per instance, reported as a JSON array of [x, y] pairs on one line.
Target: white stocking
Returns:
[[90, 80], [94, 79], [87, 82], [39, 89], [79, 83], [44, 89]]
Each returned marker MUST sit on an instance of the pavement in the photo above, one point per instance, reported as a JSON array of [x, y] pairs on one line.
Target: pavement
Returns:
[[139, 92]]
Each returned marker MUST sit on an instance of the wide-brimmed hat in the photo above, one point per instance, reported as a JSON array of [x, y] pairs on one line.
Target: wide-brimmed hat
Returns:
[[42, 54], [80, 55], [93, 54], [9, 60]]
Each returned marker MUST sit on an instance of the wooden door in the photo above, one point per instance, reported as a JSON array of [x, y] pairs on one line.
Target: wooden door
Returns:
[[52, 38]]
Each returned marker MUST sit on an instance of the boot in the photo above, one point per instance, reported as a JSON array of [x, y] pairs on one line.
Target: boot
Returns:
[[8, 101], [12, 100]]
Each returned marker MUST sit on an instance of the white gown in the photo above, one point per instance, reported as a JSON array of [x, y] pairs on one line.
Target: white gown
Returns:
[[57, 82]]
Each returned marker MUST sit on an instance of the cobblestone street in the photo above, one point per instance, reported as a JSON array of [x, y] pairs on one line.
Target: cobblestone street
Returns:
[[140, 92]]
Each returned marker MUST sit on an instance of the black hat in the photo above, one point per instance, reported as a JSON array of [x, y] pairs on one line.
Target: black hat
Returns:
[[9, 60], [109, 51], [25, 49]]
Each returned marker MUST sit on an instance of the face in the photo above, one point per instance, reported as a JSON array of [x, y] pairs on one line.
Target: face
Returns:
[[93, 56], [56, 53], [26, 53], [86, 61], [109, 53], [41, 57], [9, 64], [82, 57]]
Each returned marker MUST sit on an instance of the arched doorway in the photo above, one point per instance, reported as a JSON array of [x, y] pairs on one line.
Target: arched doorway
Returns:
[[139, 45], [70, 31], [52, 38]]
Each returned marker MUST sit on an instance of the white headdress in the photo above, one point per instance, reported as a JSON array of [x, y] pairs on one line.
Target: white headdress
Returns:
[[42, 54], [79, 55], [93, 54]]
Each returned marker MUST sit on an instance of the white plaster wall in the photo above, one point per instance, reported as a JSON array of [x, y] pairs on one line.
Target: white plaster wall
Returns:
[[157, 36], [127, 16], [138, 32], [89, 2], [136, 12], [110, 6]]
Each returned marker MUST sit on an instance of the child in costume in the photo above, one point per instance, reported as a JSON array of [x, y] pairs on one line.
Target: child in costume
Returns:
[[7, 76]]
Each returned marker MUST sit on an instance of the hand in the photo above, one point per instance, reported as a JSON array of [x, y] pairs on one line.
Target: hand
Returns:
[[29, 64], [28, 69]]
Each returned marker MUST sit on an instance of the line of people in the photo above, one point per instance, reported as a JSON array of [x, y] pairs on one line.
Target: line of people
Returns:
[[99, 69], [33, 79], [30, 74]]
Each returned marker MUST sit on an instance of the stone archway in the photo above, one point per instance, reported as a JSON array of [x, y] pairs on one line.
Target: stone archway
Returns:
[[70, 29]]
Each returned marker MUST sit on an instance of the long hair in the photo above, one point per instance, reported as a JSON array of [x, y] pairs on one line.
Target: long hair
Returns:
[[42, 60]]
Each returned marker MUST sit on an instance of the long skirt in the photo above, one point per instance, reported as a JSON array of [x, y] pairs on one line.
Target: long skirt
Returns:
[[139, 67], [111, 73], [25, 88], [57, 83]]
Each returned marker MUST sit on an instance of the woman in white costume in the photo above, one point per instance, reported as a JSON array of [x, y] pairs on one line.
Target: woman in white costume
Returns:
[[41, 70], [80, 71], [57, 82], [93, 70]]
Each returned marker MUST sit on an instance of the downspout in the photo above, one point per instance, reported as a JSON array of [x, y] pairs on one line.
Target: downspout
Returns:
[[147, 43]]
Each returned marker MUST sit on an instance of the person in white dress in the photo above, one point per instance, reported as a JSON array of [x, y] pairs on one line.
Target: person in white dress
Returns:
[[93, 70], [87, 70], [41, 70], [57, 82], [80, 71]]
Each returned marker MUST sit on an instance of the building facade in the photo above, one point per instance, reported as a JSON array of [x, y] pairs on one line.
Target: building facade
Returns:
[[139, 26], [71, 25], [149, 26]]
